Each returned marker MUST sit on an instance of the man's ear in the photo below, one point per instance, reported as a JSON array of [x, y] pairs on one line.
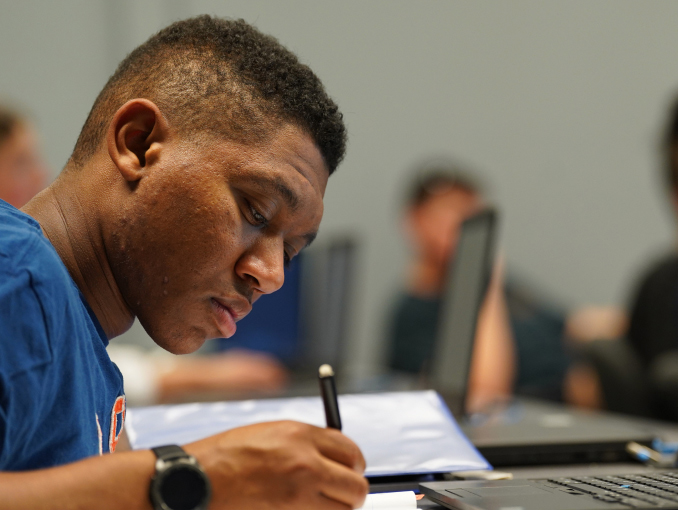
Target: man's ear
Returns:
[[135, 137]]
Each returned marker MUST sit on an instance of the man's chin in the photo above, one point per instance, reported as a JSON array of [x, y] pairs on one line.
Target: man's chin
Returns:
[[179, 340], [185, 347], [179, 345]]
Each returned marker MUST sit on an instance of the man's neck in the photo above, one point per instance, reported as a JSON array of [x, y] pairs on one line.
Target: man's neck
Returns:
[[69, 219]]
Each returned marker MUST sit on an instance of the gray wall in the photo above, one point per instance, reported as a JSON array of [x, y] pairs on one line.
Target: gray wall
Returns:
[[557, 104]]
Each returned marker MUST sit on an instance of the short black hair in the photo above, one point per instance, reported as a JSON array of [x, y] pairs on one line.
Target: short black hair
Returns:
[[669, 148], [220, 76], [433, 176]]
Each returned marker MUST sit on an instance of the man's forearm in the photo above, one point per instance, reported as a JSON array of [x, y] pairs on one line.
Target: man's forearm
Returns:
[[119, 481]]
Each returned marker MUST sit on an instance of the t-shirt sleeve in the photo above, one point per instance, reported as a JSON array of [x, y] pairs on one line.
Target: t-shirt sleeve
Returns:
[[24, 354]]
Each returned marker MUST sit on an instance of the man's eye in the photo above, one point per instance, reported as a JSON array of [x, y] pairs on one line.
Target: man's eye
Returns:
[[257, 217]]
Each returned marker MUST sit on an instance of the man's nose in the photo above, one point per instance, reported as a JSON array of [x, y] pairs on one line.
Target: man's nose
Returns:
[[263, 265]]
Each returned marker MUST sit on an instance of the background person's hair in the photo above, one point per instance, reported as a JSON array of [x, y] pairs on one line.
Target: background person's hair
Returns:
[[434, 177], [669, 148], [222, 77], [9, 120]]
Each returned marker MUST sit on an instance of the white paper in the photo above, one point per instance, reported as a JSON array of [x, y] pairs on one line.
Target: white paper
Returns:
[[399, 433], [390, 501]]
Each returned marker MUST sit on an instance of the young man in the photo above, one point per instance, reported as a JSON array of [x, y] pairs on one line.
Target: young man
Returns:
[[199, 172]]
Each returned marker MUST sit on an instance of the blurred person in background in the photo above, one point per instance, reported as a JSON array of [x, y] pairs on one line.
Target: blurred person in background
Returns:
[[519, 347], [635, 353], [156, 377], [23, 172], [439, 201], [151, 376]]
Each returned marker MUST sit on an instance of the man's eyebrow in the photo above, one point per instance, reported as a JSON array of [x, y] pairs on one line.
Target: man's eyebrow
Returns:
[[288, 194]]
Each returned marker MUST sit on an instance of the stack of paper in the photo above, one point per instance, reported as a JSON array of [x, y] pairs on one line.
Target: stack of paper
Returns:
[[390, 501], [398, 433]]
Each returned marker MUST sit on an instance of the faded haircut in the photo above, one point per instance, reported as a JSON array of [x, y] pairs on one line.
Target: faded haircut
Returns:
[[219, 77]]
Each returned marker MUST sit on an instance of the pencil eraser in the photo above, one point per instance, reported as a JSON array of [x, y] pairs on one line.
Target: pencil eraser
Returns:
[[325, 371]]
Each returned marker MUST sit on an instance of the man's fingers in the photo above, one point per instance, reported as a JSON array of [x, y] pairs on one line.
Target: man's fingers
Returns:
[[336, 446], [343, 485]]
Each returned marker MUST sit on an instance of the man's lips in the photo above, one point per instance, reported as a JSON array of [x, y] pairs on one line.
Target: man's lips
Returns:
[[227, 316], [225, 319]]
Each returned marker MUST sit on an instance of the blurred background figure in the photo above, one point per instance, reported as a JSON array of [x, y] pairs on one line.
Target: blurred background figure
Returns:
[[22, 170], [519, 341], [634, 353], [439, 200], [153, 376]]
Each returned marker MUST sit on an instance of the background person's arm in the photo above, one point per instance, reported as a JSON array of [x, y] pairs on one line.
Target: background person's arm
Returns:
[[158, 377], [493, 366], [220, 375]]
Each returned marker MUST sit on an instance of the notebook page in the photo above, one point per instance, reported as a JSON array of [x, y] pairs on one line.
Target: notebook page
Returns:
[[424, 439], [390, 501]]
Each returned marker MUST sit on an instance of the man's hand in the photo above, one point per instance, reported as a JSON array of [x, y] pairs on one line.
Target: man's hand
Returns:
[[282, 466]]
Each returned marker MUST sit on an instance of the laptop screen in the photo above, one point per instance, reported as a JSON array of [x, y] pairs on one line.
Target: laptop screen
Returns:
[[468, 277]]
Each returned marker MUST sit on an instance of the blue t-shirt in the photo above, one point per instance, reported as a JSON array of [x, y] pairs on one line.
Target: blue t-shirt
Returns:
[[61, 397]]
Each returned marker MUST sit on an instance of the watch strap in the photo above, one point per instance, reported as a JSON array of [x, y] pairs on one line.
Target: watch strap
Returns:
[[170, 452]]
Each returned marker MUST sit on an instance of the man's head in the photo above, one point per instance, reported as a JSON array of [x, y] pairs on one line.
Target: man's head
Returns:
[[205, 161], [440, 198], [22, 171]]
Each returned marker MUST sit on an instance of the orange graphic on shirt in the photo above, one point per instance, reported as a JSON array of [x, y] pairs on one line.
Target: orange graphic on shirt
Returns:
[[100, 435], [118, 409]]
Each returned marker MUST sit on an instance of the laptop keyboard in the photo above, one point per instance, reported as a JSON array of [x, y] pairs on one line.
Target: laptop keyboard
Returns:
[[636, 491]]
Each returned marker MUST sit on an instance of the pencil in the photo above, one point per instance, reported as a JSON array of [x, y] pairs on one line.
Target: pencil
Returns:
[[328, 391]]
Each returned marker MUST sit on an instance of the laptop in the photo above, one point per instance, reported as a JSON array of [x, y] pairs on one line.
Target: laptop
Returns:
[[468, 278], [327, 294], [658, 489], [520, 431]]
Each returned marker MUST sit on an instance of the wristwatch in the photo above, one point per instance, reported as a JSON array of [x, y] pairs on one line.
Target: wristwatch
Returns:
[[179, 482]]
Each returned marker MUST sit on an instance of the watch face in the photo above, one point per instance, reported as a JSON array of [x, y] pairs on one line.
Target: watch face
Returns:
[[184, 487]]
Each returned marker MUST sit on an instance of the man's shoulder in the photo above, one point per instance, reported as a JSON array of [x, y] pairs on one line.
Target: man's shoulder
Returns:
[[29, 264], [21, 239], [15, 218], [35, 291]]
